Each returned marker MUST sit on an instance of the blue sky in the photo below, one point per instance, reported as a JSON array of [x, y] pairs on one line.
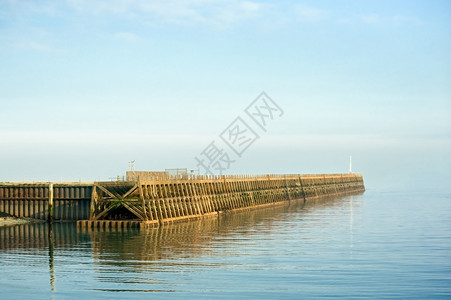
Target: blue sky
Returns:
[[87, 86]]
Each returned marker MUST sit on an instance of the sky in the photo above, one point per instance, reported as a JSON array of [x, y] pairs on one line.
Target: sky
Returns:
[[88, 86]]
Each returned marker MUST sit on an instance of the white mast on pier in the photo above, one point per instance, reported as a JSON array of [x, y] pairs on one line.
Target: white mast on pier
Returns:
[[131, 164], [350, 164]]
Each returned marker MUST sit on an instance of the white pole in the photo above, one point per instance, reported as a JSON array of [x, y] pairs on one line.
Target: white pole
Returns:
[[350, 164]]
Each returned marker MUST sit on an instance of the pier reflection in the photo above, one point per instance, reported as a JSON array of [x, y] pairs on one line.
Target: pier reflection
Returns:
[[184, 238], [131, 250], [51, 240], [176, 241], [190, 239], [41, 236], [44, 237]]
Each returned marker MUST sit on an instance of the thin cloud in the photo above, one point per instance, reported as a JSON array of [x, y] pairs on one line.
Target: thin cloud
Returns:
[[240, 11], [397, 19], [126, 36], [404, 19], [31, 39], [370, 18], [35, 46], [175, 11], [23, 8], [345, 20], [306, 13], [24, 44]]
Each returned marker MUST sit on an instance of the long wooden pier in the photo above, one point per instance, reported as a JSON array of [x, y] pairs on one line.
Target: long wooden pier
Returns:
[[141, 203]]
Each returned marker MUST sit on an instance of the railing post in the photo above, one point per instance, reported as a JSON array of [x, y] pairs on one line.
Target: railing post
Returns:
[[50, 205]]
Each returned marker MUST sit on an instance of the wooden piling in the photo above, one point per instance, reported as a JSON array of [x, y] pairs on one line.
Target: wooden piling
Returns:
[[50, 204], [164, 200]]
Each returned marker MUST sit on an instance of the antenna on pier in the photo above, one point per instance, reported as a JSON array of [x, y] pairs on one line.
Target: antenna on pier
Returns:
[[350, 164], [131, 164]]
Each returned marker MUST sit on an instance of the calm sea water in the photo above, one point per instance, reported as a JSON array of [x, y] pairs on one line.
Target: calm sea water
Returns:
[[375, 245]]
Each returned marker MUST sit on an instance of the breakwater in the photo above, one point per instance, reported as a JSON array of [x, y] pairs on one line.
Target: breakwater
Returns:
[[71, 201], [161, 200]]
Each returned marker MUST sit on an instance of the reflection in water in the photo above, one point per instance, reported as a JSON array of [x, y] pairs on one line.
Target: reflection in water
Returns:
[[173, 241], [186, 240], [51, 239], [133, 251], [153, 243], [36, 235], [351, 218]]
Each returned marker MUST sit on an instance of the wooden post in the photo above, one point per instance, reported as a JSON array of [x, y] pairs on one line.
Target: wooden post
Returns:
[[93, 206], [302, 187], [50, 206], [287, 188], [143, 202]]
